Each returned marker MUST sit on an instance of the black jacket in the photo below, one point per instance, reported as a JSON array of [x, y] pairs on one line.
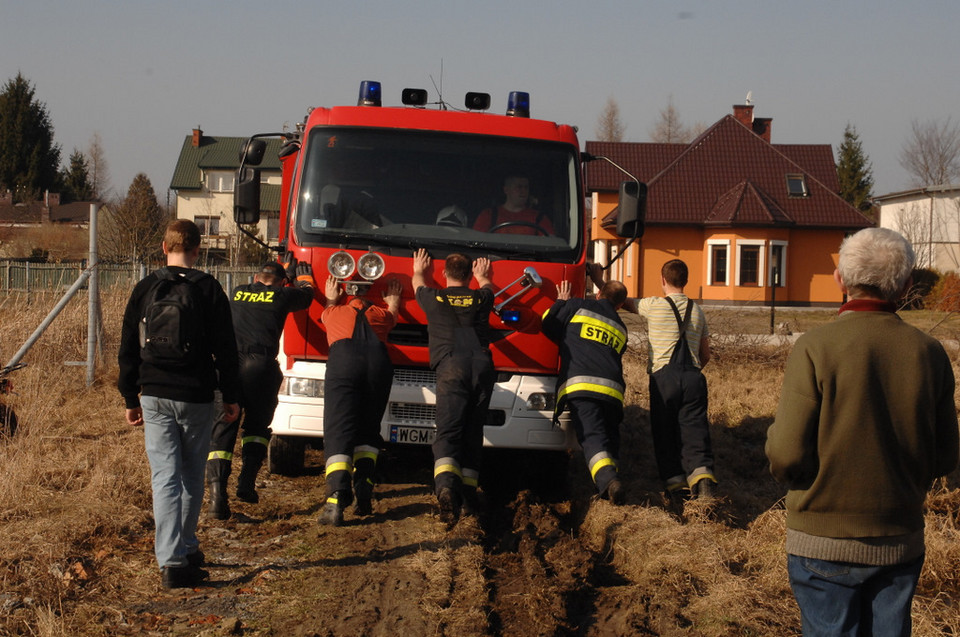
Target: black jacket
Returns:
[[259, 312], [191, 384], [458, 320], [592, 339]]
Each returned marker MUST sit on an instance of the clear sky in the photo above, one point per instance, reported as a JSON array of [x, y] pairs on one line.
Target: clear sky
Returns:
[[144, 74]]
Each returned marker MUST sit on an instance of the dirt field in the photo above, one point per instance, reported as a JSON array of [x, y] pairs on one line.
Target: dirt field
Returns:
[[544, 558]]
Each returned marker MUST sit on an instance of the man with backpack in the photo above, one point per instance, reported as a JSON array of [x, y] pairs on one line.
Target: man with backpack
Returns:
[[259, 312], [679, 347], [356, 390], [592, 339], [176, 341]]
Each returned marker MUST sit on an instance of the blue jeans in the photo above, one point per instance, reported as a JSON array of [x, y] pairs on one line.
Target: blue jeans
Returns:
[[837, 598], [177, 438]]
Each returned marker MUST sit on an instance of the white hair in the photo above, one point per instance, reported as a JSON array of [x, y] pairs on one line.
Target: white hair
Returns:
[[877, 263]]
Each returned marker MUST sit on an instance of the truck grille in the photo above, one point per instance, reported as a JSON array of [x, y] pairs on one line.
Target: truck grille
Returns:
[[409, 413], [426, 415], [415, 377]]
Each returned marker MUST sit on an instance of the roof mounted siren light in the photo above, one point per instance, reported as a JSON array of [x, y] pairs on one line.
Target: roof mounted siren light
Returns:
[[369, 94], [518, 104]]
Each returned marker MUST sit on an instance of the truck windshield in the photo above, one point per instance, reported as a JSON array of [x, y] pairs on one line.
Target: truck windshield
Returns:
[[408, 189]]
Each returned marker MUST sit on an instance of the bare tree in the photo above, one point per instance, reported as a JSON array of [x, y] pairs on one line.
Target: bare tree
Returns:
[[609, 126], [670, 130], [97, 168], [914, 221], [932, 153]]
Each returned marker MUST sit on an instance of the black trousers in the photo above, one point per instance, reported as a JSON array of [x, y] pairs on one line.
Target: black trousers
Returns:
[[597, 425], [678, 422], [356, 391], [464, 387], [260, 379]]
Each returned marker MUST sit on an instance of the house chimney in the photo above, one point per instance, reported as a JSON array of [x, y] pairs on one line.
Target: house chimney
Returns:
[[197, 136], [744, 114], [762, 126]]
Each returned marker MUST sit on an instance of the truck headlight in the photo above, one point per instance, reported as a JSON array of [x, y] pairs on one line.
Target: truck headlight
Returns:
[[542, 401], [305, 387], [371, 266], [341, 264]]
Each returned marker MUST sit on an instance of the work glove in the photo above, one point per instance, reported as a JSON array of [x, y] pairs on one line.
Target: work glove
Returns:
[[290, 266], [304, 275]]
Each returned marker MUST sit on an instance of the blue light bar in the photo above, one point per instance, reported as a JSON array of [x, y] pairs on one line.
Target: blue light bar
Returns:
[[369, 93], [510, 317], [518, 104]]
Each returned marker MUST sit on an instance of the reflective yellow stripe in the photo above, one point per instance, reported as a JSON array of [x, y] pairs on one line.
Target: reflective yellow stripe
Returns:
[[338, 466], [452, 468], [333, 499], [600, 329], [700, 476], [257, 440], [220, 455], [605, 462], [359, 455], [591, 387]]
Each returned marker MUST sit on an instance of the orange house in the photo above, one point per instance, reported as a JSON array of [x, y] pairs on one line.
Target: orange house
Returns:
[[755, 222]]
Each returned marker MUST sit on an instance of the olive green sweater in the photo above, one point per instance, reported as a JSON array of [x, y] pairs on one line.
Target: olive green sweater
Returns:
[[866, 422]]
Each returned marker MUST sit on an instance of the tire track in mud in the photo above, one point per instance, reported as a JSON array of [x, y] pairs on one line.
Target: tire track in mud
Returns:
[[542, 576], [522, 568]]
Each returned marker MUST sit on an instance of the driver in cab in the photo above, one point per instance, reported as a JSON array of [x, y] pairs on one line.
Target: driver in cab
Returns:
[[516, 215]]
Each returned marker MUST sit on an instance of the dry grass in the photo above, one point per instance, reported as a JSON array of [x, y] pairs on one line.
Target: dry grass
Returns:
[[75, 496]]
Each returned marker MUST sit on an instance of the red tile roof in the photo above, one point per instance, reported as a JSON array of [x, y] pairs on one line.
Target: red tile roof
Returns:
[[729, 176]]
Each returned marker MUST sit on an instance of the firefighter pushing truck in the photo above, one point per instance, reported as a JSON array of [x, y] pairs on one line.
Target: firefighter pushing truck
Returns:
[[365, 186]]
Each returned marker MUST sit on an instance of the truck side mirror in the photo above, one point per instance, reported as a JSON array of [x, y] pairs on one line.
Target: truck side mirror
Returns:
[[252, 152], [246, 196], [631, 209]]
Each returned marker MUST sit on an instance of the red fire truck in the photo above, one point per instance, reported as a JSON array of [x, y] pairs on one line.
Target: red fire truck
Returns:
[[365, 186]]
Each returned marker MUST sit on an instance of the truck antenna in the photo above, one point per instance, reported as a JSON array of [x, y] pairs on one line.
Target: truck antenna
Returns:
[[439, 89]]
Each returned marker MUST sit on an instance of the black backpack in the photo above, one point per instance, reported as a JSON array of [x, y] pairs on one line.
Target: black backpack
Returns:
[[171, 328]]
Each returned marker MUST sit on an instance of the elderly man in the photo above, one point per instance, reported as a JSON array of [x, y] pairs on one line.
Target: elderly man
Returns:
[[866, 422]]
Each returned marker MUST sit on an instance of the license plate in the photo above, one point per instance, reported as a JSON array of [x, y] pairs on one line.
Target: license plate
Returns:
[[412, 435]]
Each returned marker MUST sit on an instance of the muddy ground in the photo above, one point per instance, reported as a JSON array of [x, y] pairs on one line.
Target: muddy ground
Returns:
[[543, 558]]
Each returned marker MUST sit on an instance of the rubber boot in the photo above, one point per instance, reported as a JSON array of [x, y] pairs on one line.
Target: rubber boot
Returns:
[[332, 513], [218, 471], [253, 455], [363, 472]]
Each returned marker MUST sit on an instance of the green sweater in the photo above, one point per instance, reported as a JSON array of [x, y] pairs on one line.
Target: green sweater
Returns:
[[866, 422]]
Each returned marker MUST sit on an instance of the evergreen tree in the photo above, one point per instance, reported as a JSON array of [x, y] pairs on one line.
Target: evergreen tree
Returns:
[[29, 160], [76, 179], [133, 229], [854, 171]]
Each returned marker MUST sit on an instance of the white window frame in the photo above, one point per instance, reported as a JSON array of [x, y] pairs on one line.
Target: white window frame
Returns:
[[220, 180], [761, 266], [710, 245], [783, 269]]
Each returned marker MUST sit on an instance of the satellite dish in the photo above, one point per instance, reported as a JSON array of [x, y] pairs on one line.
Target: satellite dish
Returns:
[[749, 98]]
